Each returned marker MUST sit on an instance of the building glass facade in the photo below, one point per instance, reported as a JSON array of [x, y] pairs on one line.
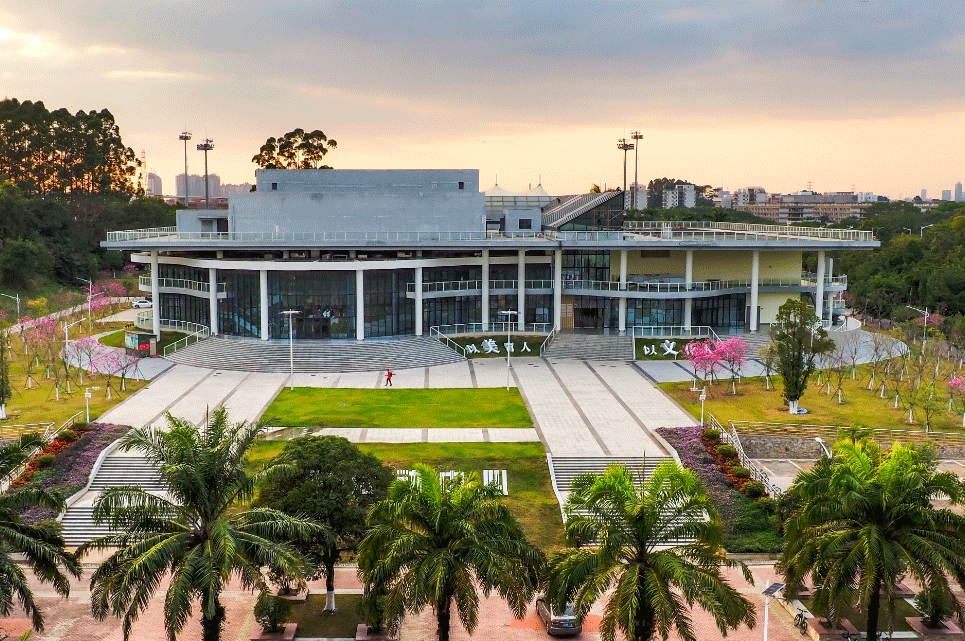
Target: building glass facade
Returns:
[[451, 310], [186, 308], [388, 312], [642, 311], [325, 300], [239, 312]]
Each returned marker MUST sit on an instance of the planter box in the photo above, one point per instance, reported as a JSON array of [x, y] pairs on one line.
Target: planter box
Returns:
[[950, 631], [818, 632], [287, 633]]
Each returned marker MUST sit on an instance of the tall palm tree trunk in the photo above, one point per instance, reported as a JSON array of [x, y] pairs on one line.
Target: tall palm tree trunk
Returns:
[[644, 624], [211, 626], [442, 617], [874, 607]]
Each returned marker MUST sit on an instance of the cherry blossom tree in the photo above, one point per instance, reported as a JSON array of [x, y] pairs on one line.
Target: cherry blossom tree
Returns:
[[732, 353], [702, 357], [956, 387]]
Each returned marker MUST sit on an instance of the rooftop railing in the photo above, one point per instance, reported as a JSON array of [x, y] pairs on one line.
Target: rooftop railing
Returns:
[[202, 286], [632, 230]]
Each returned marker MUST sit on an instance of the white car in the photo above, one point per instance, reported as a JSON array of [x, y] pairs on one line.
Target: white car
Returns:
[[138, 304]]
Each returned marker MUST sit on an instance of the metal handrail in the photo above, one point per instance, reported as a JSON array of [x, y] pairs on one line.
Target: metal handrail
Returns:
[[674, 331], [181, 283], [831, 432], [732, 438], [549, 339], [698, 286], [497, 327], [435, 333], [781, 230], [200, 334]]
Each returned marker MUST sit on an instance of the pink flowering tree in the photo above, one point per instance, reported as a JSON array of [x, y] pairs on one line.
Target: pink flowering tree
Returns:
[[127, 366], [733, 354], [702, 358], [107, 363], [956, 387]]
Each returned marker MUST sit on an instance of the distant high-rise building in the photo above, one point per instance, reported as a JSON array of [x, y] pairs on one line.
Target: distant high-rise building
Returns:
[[196, 186], [154, 185], [946, 194], [679, 196], [228, 188], [924, 194], [958, 192]]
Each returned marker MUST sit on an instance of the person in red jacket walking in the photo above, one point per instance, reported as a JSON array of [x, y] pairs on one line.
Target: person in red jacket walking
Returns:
[[388, 378]]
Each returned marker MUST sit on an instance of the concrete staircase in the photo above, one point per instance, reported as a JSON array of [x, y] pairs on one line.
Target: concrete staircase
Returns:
[[315, 356], [567, 468], [118, 469], [591, 347]]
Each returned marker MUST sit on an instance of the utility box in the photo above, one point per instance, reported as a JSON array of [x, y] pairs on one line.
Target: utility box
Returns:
[[140, 344]]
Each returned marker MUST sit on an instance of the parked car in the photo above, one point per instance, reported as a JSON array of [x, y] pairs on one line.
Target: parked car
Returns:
[[138, 304], [564, 624]]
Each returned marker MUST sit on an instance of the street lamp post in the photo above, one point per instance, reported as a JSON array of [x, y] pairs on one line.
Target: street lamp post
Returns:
[[636, 135], [509, 329], [185, 136], [87, 400], [291, 346], [820, 441], [90, 296], [206, 146], [921, 230], [924, 330], [770, 592], [703, 397], [624, 146], [16, 298]]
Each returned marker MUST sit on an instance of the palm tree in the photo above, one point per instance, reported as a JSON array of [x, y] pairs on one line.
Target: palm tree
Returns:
[[865, 520], [40, 545], [627, 537], [432, 541], [193, 533]]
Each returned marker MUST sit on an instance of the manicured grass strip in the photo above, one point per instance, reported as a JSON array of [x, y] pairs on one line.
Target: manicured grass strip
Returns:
[[530, 499], [314, 622], [533, 342], [415, 408], [755, 403]]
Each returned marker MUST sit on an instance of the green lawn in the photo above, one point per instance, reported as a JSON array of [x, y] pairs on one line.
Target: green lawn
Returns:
[[533, 342], [754, 403], [313, 621], [530, 499], [117, 339], [386, 407]]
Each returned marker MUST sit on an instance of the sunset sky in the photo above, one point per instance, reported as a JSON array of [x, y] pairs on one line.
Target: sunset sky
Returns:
[[840, 93]]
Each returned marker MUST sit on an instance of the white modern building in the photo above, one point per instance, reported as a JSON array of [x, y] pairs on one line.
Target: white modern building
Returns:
[[363, 254]]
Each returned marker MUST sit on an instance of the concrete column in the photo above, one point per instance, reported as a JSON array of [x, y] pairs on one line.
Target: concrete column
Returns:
[[819, 289], [521, 306], [755, 279], [485, 290], [418, 301], [623, 288], [155, 296], [689, 284], [359, 305], [558, 288], [213, 299], [264, 304]]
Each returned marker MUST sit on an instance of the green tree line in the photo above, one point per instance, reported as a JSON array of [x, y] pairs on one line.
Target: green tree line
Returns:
[[65, 180]]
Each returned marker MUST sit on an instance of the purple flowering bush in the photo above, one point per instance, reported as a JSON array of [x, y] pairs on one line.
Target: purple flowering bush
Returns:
[[745, 525], [69, 473]]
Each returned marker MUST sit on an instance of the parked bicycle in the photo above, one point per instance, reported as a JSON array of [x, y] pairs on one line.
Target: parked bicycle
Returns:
[[800, 621]]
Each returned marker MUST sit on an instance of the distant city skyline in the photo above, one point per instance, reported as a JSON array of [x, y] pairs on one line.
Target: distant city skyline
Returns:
[[775, 93]]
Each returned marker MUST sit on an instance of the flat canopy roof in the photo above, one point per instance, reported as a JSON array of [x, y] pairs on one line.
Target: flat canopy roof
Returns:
[[634, 235]]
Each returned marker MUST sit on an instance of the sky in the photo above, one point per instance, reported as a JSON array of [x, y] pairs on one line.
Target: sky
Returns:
[[836, 94]]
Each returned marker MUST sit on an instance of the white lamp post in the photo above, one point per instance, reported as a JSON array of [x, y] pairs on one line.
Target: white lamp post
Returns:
[[16, 298], [87, 399], [291, 346], [924, 330], [509, 328], [770, 592], [921, 230], [90, 295], [820, 441], [703, 397]]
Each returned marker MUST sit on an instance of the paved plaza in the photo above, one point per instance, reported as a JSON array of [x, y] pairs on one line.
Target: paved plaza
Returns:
[[579, 408]]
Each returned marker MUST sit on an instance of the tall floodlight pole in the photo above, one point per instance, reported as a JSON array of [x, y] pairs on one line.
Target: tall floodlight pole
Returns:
[[206, 146], [624, 146], [291, 345], [185, 136], [636, 135]]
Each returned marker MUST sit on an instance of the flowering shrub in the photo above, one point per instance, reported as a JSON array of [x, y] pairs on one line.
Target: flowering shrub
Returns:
[[71, 467], [745, 524]]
